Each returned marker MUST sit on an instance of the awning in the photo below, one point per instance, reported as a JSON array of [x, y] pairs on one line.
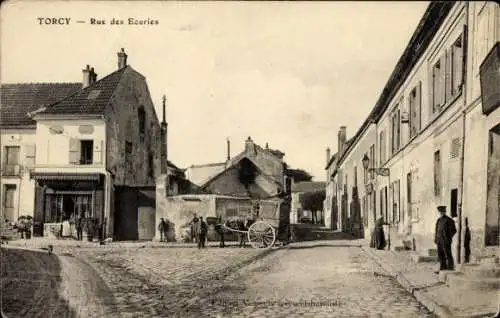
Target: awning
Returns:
[[66, 176]]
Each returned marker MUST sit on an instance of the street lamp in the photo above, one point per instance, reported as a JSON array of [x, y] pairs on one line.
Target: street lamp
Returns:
[[386, 172]]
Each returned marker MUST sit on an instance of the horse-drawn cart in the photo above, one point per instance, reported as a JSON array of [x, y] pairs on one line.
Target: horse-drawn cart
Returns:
[[262, 230]]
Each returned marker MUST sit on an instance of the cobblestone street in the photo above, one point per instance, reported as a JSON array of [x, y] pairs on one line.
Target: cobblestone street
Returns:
[[338, 280], [163, 282], [331, 281]]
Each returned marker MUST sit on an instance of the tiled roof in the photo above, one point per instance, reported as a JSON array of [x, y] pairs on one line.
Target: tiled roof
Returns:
[[308, 186], [17, 100], [93, 99]]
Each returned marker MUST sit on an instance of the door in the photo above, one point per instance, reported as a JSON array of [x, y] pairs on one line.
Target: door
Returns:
[[9, 205], [147, 219], [493, 189]]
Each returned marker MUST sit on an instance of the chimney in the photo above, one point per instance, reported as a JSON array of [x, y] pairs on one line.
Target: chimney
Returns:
[[164, 119], [328, 155], [122, 59], [249, 146], [164, 141], [93, 76], [228, 149], [342, 139], [267, 146], [86, 76]]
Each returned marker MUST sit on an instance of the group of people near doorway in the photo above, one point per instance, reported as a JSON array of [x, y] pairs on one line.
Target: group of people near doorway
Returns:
[[443, 238]]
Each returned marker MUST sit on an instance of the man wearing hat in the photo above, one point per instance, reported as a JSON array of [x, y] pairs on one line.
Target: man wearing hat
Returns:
[[445, 230]]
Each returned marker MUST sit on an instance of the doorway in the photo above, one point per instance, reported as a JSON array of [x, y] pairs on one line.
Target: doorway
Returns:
[[493, 189]]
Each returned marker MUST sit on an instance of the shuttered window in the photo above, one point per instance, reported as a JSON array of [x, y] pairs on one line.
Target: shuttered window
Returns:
[[437, 173], [415, 104], [455, 148], [29, 152]]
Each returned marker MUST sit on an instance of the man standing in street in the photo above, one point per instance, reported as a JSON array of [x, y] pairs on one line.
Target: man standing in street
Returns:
[[195, 226], [79, 227], [162, 228], [202, 233], [445, 230]]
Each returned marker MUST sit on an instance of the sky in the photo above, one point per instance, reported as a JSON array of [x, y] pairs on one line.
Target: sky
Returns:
[[286, 73]]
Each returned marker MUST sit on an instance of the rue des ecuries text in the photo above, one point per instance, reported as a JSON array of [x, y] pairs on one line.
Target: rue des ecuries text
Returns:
[[94, 21]]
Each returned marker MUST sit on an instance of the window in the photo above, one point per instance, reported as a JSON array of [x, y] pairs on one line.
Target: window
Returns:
[[372, 160], [396, 214], [141, 114], [86, 152], [457, 57], [454, 203], [365, 171], [12, 155], [437, 173], [151, 168], [65, 206], [415, 104], [355, 176], [382, 147], [408, 195], [437, 87], [455, 148], [11, 166], [396, 131], [128, 148]]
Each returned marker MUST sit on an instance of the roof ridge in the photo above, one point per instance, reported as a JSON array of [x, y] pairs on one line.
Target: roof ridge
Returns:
[[207, 165], [43, 109]]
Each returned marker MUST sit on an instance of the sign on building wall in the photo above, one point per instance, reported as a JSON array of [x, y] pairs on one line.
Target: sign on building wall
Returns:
[[490, 80]]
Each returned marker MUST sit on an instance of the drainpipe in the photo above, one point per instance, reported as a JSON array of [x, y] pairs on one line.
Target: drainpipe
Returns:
[[464, 112]]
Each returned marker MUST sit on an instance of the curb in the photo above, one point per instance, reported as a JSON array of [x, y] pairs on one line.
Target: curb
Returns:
[[429, 303]]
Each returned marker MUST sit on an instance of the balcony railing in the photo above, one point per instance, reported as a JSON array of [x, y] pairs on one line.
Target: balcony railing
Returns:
[[11, 170]]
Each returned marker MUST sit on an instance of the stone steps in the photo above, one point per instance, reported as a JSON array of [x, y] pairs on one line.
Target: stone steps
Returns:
[[460, 280], [480, 270], [419, 258]]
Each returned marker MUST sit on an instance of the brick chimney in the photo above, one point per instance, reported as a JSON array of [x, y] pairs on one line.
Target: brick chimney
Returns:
[[342, 138], [228, 149], [93, 76], [249, 147], [328, 155], [86, 76], [122, 59], [89, 76]]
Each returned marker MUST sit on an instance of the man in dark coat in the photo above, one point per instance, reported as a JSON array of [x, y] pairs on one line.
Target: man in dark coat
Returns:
[[219, 228], [378, 235], [162, 228], [445, 230], [202, 233], [467, 239], [79, 228]]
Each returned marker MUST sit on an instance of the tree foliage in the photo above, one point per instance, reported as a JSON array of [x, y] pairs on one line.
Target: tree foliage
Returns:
[[312, 201], [299, 175]]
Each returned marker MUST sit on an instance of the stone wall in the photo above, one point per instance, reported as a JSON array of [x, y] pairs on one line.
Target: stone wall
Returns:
[[122, 125]]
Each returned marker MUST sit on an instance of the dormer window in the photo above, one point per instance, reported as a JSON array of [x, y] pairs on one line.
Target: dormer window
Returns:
[[141, 114]]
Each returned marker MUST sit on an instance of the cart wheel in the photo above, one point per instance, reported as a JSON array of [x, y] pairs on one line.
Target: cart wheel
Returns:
[[261, 235]]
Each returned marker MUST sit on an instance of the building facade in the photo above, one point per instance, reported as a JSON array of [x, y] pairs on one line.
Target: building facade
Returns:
[[429, 134], [19, 139], [481, 185], [97, 156]]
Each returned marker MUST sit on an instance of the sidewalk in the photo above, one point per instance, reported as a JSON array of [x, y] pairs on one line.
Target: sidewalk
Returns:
[[420, 280]]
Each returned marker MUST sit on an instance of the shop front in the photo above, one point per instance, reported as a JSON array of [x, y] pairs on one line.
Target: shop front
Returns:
[[63, 200]]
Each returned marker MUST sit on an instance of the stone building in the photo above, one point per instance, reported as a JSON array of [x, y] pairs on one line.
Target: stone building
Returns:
[[98, 153], [428, 113], [253, 180]]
